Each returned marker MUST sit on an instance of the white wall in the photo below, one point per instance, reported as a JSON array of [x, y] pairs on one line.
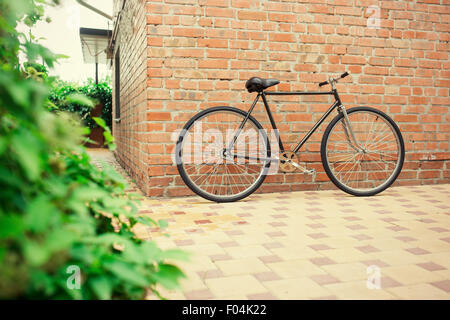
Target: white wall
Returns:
[[62, 36]]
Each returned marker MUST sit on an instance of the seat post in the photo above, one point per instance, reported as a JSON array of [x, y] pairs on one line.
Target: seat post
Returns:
[[272, 121]]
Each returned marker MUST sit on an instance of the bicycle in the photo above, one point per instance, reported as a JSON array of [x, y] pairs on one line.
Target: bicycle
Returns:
[[362, 149]]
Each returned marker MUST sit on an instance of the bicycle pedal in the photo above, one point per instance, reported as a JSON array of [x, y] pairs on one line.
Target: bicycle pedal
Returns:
[[310, 171], [286, 162]]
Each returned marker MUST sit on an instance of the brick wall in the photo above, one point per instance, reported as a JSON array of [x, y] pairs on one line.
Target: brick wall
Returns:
[[131, 132], [199, 53]]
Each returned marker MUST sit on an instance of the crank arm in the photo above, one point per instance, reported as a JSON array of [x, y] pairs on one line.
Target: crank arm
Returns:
[[303, 169]]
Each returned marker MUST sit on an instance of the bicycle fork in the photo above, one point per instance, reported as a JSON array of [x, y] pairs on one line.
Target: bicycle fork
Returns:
[[348, 127]]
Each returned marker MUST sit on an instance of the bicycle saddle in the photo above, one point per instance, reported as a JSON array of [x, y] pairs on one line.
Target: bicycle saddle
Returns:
[[259, 84]]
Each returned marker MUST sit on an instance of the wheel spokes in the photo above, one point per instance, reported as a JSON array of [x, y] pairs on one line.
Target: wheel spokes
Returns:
[[375, 163], [206, 165]]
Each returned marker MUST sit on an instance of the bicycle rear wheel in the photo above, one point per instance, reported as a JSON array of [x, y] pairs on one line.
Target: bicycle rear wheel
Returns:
[[366, 171], [211, 172]]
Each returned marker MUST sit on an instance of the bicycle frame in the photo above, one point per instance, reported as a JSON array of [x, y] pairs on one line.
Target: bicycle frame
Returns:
[[337, 103]]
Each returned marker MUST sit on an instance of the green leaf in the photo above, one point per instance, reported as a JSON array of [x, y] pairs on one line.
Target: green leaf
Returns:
[[36, 52], [107, 238], [163, 223], [81, 99], [112, 146], [127, 272], [77, 206], [39, 213], [2, 254], [56, 186], [59, 239], [19, 93], [89, 193], [146, 221], [115, 203], [26, 148], [175, 254], [36, 254], [3, 145], [133, 253], [11, 178], [84, 254], [100, 122], [87, 140], [150, 251], [11, 226], [168, 275], [42, 282], [108, 136], [86, 131], [102, 287], [61, 56]]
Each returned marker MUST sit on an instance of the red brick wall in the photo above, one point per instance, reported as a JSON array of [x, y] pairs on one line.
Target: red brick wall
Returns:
[[131, 133], [200, 53]]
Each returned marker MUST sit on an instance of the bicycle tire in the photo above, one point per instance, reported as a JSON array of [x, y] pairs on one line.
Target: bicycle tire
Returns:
[[181, 168], [332, 176]]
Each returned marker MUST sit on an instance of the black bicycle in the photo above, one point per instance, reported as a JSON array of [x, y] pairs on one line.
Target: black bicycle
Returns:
[[223, 154]]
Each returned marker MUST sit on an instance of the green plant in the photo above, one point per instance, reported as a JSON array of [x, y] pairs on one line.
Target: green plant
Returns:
[[57, 210], [100, 93], [35, 70]]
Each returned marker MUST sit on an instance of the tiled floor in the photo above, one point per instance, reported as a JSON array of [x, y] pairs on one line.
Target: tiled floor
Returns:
[[309, 245]]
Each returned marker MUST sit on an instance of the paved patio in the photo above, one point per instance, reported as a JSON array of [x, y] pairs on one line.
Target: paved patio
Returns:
[[308, 245]]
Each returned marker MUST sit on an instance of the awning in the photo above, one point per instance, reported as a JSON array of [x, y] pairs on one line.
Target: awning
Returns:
[[94, 43]]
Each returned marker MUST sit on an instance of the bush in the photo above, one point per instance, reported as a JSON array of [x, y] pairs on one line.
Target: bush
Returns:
[[59, 214], [35, 70], [100, 93]]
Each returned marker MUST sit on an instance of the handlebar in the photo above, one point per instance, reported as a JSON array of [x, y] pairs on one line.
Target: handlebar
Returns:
[[334, 80]]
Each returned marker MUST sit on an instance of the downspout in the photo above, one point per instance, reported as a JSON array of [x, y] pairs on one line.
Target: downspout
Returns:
[[84, 4], [115, 29]]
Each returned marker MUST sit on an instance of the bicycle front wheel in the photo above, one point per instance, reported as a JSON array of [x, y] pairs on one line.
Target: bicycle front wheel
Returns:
[[372, 163], [207, 164]]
